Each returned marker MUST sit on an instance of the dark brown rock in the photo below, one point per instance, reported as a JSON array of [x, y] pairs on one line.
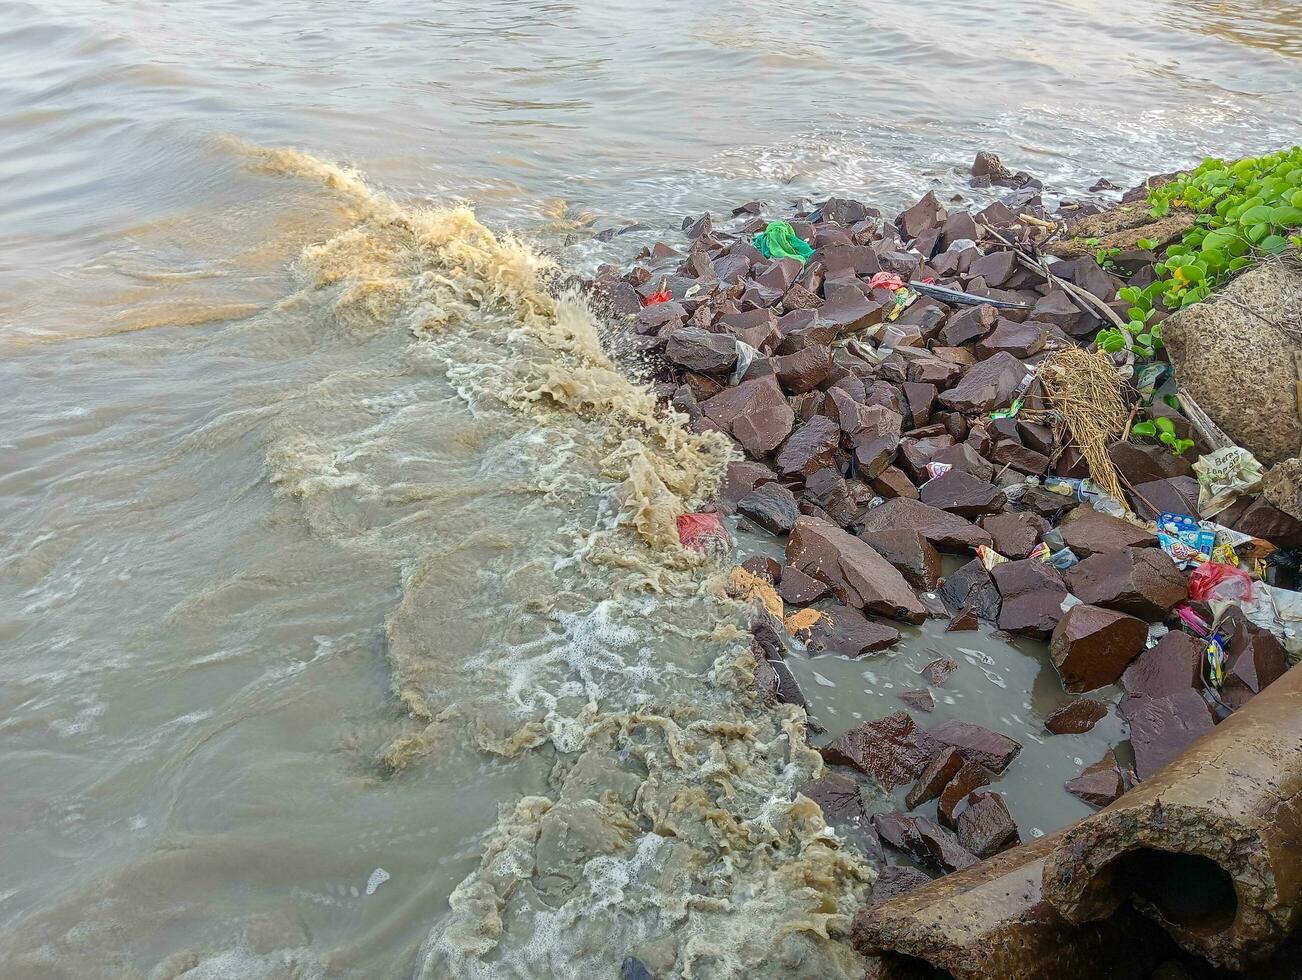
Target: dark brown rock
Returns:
[[755, 413], [763, 567], [804, 370], [828, 491], [909, 552], [892, 750], [939, 669], [1076, 717], [1014, 534], [919, 699], [963, 494], [996, 268], [986, 386], [838, 796], [920, 398], [941, 848], [810, 448], [891, 482], [873, 455], [1256, 660], [843, 631], [798, 589], [947, 532], [771, 506], [896, 880], [1091, 646], [1172, 665], [986, 827], [965, 457], [1147, 463], [1178, 495], [1087, 531], [970, 587], [962, 621], [1101, 783], [700, 350], [924, 216], [1031, 594], [971, 777], [857, 574], [968, 325], [1021, 340], [1141, 581], [976, 744], [1162, 728], [934, 778]]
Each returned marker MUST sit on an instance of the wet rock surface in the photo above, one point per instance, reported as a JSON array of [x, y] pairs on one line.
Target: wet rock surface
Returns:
[[891, 477]]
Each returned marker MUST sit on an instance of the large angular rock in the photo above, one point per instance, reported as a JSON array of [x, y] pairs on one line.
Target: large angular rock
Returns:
[[1177, 495], [1031, 594], [1015, 535], [1262, 519], [1087, 531], [971, 777], [829, 491], [740, 479], [798, 589], [947, 532], [1256, 660], [1141, 581], [1091, 646], [772, 506], [919, 699], [938, 670], [934, 778], [700, 350], [893, 750], [847, 633], [986, 386], [896, 879], [941, 849], [909, 552], [986, 827], [858, 575], [963, 494], [810, 448], [1022, 340], [968, 325], [804, 370], [891, 482], [838, 796], [971, 587], [1172, 665], [755, 413], [996, 268], [1075, 717], [976, 744], [1162, 728], [1146, 463], [1099, 784]]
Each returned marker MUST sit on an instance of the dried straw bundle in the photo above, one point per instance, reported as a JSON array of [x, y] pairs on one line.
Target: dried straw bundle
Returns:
[[1085, 390]]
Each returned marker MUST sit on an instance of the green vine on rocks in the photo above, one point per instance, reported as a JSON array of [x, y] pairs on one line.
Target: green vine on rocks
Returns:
[[1246, 210]]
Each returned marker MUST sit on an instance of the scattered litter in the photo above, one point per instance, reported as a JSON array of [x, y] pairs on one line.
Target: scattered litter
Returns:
[[886, 280], [780, 241], [1223, 476], [989, 557], [704, 533], [1185, 540], [661, 295], [938, 469]]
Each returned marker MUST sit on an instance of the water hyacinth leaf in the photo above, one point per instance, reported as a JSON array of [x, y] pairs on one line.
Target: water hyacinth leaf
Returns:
[[1145, 429]]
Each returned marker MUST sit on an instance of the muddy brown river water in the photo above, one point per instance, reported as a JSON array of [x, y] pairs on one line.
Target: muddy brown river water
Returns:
[[339, 636]]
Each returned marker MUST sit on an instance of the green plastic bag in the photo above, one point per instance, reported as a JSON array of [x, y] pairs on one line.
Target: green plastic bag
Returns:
[[779, 241]]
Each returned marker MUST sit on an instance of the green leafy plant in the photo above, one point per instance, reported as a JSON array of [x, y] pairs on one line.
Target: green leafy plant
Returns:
[[1245, 209], [1162, 429]]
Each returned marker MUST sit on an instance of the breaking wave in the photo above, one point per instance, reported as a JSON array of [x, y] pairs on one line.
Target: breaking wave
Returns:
[[580, 636]]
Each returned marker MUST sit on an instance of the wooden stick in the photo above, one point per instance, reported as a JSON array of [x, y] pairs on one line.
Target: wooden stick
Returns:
[[1201, 422]]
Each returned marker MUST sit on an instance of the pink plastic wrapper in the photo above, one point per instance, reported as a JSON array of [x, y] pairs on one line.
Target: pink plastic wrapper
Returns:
[[1212, 581], [886, 280], [704, 533]]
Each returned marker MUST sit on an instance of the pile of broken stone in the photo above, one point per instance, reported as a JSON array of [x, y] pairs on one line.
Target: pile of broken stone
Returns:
[[837, 436]]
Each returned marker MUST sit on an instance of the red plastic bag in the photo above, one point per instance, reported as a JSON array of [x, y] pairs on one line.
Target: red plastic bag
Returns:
[[1213, 581], [704, 533], [664, 296], [886, 280]]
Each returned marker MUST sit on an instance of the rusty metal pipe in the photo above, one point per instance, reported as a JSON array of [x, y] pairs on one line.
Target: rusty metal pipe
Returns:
[[991, 920], [1210, 847]]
